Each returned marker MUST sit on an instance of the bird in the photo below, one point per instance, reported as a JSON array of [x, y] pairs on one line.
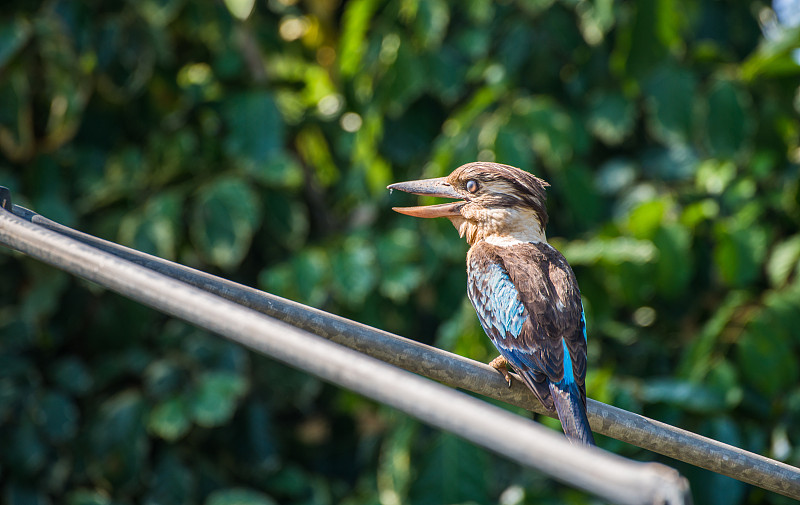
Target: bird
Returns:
[[523, 290]]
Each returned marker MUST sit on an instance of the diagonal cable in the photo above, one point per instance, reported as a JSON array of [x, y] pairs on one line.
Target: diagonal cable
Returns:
[[464, 373]]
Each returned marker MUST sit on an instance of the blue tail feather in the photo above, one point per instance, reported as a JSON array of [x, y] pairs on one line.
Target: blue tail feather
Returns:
[[572, 412]]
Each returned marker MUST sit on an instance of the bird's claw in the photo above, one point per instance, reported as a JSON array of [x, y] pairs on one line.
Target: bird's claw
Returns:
[[501, 365]]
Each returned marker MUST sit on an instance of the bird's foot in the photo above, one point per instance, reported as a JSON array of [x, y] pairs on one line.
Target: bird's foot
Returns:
[[501, 365]]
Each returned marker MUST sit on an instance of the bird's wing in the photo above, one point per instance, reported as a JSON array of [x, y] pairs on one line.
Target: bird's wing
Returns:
[[528, 303]]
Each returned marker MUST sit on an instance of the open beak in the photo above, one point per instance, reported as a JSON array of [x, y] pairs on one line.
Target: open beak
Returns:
[[430, 187]]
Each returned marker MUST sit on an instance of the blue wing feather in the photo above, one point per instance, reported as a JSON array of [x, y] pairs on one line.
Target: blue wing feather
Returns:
[[545, 348]]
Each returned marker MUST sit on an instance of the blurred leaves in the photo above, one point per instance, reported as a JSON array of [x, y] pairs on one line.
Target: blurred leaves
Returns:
[[226, 215], [256, 139]]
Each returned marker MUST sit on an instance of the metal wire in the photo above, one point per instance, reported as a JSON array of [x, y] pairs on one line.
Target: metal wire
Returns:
[[605, 474], [467, 374]]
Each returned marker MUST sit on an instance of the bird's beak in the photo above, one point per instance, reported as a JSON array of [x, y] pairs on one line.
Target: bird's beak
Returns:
[[430, 187]]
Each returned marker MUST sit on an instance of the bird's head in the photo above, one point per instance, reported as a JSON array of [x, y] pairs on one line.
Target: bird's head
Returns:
[[497, 203]]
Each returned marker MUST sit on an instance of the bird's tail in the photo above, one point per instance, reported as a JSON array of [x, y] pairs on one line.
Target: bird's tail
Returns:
[[572, 412]]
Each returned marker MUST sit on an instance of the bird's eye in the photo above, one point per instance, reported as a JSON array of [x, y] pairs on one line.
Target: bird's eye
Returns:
[[472, 186]]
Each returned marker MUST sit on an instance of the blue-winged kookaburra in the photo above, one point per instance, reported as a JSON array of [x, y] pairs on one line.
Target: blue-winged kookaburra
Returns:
[[523, 290]]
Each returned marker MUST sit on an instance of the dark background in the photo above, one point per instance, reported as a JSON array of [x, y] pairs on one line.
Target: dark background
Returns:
[[259, 147]]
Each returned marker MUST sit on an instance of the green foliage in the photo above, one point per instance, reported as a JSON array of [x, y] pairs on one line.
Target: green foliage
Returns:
[[255, 140]]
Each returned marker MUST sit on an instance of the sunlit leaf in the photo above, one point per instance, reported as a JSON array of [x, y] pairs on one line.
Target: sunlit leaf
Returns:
[[169, 419], [356, 21], [646, 218], [783, 261], [240, 9], [615, 251]]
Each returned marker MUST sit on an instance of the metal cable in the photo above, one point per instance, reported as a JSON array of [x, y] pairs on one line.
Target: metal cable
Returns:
[[605, 474], [467, 374]]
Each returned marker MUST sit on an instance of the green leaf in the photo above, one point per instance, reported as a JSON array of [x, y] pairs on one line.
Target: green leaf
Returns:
[[118, 442], [669, 103], [281, 171], [256, 128], [611, 117], [58, 416], [674, 266], [26, 448], [224, 218], [783, 261], [353, 41], [739, 254], [513, 149], [613, 250], [13, 36], [240, 9], [431, 21], [397, 251], [647, 39], [775, 56], [173, 481], [646, 218], [15, 494], [238, 496], [73, 376], [88, 497], [452, 471], [303, 279], [162, 377], [686, 395], [394, 465], [286, 221], [767, 359], [169, 419], [154, 229], [697, 357], [714, 176], [728, 120], [720, 489], [354, 271], [216, 397], [552, 130]]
